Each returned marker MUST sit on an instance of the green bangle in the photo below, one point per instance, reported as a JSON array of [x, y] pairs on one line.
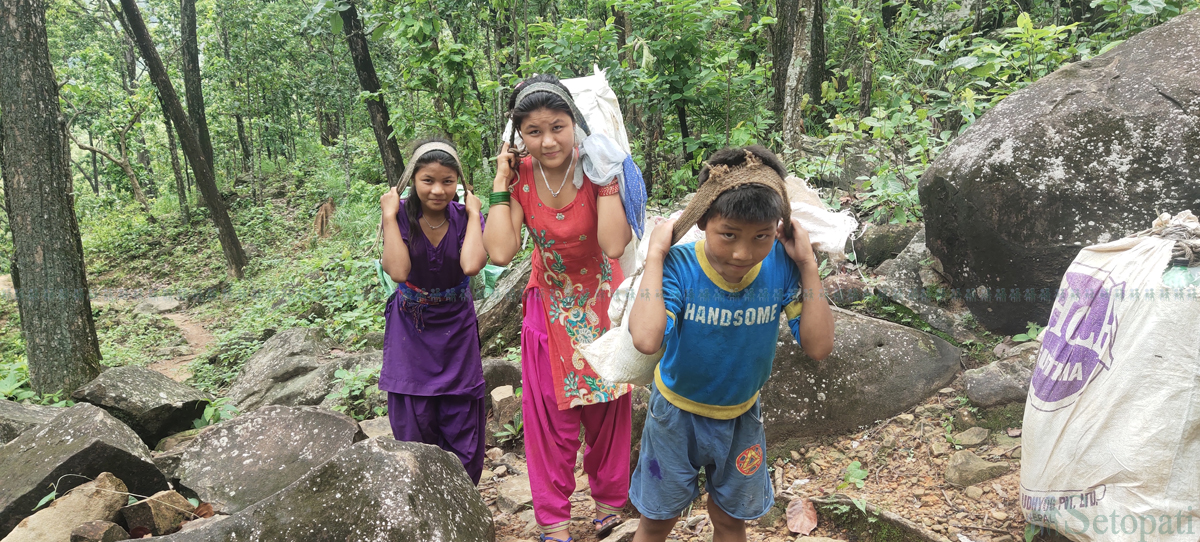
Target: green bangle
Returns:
[[498, 198]]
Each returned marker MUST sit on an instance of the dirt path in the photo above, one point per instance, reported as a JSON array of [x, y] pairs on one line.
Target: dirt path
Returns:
[[198, 339]]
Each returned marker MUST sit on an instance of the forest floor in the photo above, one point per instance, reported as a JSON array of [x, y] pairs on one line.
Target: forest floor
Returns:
[[905, 458], [198, 340]]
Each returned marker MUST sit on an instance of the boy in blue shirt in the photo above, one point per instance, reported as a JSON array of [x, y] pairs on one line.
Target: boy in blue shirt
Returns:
[[713, 307]]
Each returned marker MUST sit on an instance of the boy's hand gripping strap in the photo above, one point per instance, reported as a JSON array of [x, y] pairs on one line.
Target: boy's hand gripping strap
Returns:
[[722, 178]]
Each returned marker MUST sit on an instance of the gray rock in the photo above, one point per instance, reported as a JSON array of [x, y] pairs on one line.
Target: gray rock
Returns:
[[877, 370], [83, 440], [157, 305], [1087, 154], [624, 532], [150, 403], [99, 531], [967, 469], [513, 494], [378, 489], [99, 499], [501, 372], [880, 243], [1003, 381], [504, 404], [971, 437], [16, 418], [500, 313], [293, 368], [239, 462], [903, 283]]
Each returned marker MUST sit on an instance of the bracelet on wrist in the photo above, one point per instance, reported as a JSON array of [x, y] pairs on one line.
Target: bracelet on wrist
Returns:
[[609, 189], [499, 198]]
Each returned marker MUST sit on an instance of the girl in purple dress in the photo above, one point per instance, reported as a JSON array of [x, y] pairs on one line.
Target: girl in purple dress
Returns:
[[432, 245]]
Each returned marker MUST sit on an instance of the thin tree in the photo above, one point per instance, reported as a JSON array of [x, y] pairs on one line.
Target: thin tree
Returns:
[[356, 39], [235, 258], [123, 161], [191, 77], [47, 266]]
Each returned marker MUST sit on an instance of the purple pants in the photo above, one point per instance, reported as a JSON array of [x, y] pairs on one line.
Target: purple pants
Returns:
[[453, 423]]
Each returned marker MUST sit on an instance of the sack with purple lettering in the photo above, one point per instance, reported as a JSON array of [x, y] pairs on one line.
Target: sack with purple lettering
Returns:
[[1111, 438]]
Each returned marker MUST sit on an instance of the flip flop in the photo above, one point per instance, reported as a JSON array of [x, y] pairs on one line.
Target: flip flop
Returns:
[[544, 538], [603, 529]]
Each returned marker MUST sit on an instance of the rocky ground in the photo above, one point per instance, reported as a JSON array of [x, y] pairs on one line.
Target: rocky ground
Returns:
[[906, 459]]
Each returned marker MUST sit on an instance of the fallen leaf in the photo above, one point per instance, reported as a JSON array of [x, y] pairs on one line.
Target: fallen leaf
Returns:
[[1014, 432], [801, 516], [205, 510]]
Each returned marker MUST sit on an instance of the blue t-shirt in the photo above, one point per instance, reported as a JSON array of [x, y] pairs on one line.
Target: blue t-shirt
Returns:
[[720, 337]]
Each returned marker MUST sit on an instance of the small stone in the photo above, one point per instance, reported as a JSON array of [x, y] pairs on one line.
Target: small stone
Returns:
[[486, 475], [931, 411], [939, 448], [947, 391], [693, 521], [905, 419], [971, 437], [999, 516], [99, 531], [967, 469], [501, 470], [161, 513], [513, 494], [623, 532], [376, 427], [918, 492], [1003, 538], [494, 454], [795, 455], [974, 492]]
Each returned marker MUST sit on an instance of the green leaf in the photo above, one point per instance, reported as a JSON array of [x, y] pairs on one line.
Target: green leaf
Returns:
[[335, 21], [967, 62], [46, 499], [924, 62]]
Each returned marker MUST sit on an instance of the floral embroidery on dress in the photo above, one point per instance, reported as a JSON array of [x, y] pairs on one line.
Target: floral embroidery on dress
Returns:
[[559, 216]]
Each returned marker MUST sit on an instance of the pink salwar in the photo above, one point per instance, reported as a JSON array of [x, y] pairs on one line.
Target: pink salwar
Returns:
[[552, 435]]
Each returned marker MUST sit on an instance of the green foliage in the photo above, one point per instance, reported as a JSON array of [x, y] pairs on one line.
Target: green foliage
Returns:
[[356, 392], [216, 411], [1031, 333], [128, 337], [855, 475]]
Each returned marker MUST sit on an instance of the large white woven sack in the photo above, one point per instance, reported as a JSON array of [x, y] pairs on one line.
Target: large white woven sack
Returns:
[[1111, 437]]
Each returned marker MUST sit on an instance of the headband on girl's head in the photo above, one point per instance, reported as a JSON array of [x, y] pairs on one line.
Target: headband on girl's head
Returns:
[[409, 170], [557, 91]]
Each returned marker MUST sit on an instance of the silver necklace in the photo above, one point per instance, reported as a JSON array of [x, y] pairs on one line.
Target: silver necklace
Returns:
[[554, 193], [431, 226]]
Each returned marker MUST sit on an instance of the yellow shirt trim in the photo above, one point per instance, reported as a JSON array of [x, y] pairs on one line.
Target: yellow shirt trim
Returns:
[[793, 309], [716, 277], [709, 411]]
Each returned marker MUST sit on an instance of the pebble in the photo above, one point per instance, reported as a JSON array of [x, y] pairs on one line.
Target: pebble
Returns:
[[501, 470], [999, 516], [905, 418], [795, 455], [974, 492], [494, 454], [487, 475]]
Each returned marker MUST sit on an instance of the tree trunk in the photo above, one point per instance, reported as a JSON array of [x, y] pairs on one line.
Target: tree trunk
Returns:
[[185, 214], [191, 77], [234, 256], [389, 150], [47, 269], [95, 167], [817, 72], [790, 49], [684, 132]]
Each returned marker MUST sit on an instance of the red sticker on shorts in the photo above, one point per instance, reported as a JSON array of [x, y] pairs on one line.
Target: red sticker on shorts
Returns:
[[750, 460]]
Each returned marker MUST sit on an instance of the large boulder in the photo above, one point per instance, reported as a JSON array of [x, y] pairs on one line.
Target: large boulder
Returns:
[[151, 404], [242, 461], [1087, 154], [378, 489], [877, 370], [97, 500], [16, 418], [500, 313], [293, 368], [83, 440]]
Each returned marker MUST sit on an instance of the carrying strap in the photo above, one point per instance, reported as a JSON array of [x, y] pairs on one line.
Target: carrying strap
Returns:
[[557, 91]]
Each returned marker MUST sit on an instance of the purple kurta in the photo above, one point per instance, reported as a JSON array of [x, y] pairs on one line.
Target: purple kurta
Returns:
[[433, 348]]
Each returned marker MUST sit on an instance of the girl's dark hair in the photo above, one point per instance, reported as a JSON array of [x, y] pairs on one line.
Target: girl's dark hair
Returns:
[[748, 202], [412, 205], [518, 112]]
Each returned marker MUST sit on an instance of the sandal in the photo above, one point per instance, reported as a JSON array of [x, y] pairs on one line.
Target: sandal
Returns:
[[605, 525], [544, 538]]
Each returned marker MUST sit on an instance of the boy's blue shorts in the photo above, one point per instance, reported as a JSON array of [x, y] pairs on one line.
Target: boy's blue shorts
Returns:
[[677, 443]]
